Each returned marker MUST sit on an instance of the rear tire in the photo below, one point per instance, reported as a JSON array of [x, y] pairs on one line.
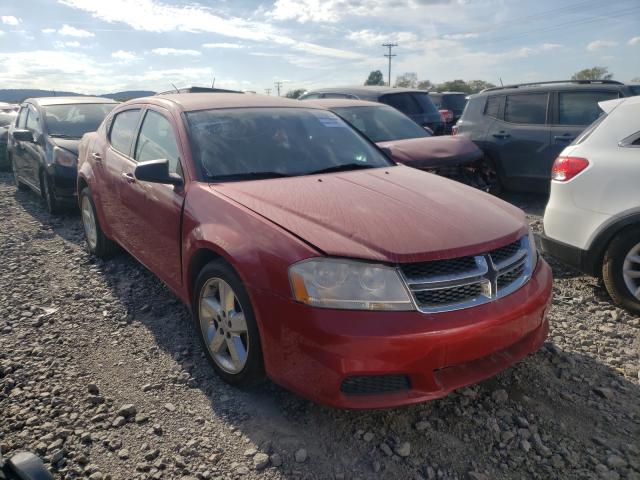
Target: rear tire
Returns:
[[227, 330], [621, 269], [52, 204], [98, 243], [16, 180]]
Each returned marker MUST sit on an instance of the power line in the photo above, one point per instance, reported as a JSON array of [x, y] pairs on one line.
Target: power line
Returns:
[[389, 56], [278, 85]]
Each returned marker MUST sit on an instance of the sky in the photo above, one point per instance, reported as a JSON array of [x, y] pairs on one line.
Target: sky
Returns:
[[101, 46]]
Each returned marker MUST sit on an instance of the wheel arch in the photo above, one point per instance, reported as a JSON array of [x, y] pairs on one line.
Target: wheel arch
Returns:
[[601, 241]]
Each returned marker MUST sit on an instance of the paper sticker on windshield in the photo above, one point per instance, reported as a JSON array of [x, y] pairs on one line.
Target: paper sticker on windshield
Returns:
[[331, 122]]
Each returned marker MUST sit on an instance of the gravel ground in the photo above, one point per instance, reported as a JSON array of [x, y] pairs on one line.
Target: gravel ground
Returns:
[[101, 374]]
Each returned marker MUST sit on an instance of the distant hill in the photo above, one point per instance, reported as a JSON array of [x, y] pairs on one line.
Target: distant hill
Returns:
[[19, 94]]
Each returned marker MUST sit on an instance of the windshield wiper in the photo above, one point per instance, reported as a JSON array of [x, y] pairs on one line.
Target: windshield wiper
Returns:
[[62, 135], [248, 176], [342, 168]]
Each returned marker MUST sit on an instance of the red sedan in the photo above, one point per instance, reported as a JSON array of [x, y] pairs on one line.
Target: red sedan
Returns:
[[307, 255]]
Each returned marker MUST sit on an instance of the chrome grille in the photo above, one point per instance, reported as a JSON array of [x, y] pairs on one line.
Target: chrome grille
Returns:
[[444, 285]]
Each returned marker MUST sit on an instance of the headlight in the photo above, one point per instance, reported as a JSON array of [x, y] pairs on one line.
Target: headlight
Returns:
[[64, 157], [348, 284], [533, 251]]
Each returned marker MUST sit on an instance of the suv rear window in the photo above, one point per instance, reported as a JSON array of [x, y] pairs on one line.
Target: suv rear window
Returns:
[[581, 108], [530, 109], [410, 103]]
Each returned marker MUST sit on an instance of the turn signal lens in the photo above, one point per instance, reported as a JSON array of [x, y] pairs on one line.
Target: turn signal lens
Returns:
[[565, 168]]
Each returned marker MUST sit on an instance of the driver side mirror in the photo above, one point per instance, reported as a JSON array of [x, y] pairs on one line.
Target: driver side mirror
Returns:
[[157, 171], [23, 136]]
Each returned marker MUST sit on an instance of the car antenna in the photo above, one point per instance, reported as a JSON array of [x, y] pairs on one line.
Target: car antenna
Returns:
[[175, 88], [501, 84]]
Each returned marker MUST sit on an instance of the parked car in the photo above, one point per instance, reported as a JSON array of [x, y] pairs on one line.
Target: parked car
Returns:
[[521, 129], [415, 104], [405, 142], [305, 253], [7, 117], [450, 105], [43, 144], [592, 220]]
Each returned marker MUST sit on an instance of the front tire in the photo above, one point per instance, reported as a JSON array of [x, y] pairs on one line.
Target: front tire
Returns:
[[226, 325], [621, 269], [98, 243]]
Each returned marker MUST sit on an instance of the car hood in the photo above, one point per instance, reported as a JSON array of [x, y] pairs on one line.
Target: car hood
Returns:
[[430, 152], [396, 214], [70, 144]]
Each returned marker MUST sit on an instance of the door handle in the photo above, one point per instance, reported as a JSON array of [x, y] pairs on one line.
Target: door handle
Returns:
[[128, 177], [564, 138], [97, 157], [502, 135]]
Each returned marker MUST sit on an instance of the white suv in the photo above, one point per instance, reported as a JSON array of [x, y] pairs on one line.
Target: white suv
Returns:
[[592, 220]]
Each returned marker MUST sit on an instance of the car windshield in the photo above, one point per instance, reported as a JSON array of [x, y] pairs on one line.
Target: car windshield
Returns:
[[254, 143], [381, 124], [74, 120]]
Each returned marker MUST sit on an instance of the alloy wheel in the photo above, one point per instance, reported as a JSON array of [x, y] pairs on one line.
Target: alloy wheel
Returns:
[[89, 223], [223, 325], [631, 271]]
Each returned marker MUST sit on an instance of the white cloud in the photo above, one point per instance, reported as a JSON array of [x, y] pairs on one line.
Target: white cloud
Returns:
[[73, 44], [48, 30], [10, 20], [634, 41], [305, 11], [70, 31], [460, 36], [600, 44], [124, 55], [222, 45], [175, 51], [371, 38], [1, 33]]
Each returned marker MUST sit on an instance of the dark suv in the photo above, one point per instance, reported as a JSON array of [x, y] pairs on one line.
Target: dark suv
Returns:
[[450, 105], [415, 104], [522, 128], [42, 145]]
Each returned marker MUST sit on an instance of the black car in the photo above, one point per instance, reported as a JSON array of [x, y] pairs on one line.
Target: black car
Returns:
[[521, 129], [7, 118], [450, 105], [43, 144], [415, 104]]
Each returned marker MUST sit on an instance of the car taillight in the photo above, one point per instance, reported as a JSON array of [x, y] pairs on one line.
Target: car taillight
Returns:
[[454, 130], [565, 168], [446, 115]]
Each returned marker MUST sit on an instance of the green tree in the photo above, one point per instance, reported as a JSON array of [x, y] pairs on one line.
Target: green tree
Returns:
[[594, 73], [479, 85], [375, 78], [295, 93], [425, 85], [407, 80], [454, 86], [635, 80]]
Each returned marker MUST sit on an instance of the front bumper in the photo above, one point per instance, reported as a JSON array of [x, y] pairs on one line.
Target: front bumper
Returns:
[[568, 254], [312, 351], [64, 183]]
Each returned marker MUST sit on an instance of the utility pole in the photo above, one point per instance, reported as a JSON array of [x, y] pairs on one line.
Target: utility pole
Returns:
[[389, 56], [278, 84], [267, 91]]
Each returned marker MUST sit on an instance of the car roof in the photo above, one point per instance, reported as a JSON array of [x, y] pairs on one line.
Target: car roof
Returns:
[[448, 93], [608, 105], [552, 87], [342, 102], [367, 91], [44, 101], [208, 101]]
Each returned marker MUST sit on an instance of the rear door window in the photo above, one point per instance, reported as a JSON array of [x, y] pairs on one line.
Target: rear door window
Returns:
[[530, 109], [156, 141], [492, 107], [403, 102], [581, 108], [123, 129]]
